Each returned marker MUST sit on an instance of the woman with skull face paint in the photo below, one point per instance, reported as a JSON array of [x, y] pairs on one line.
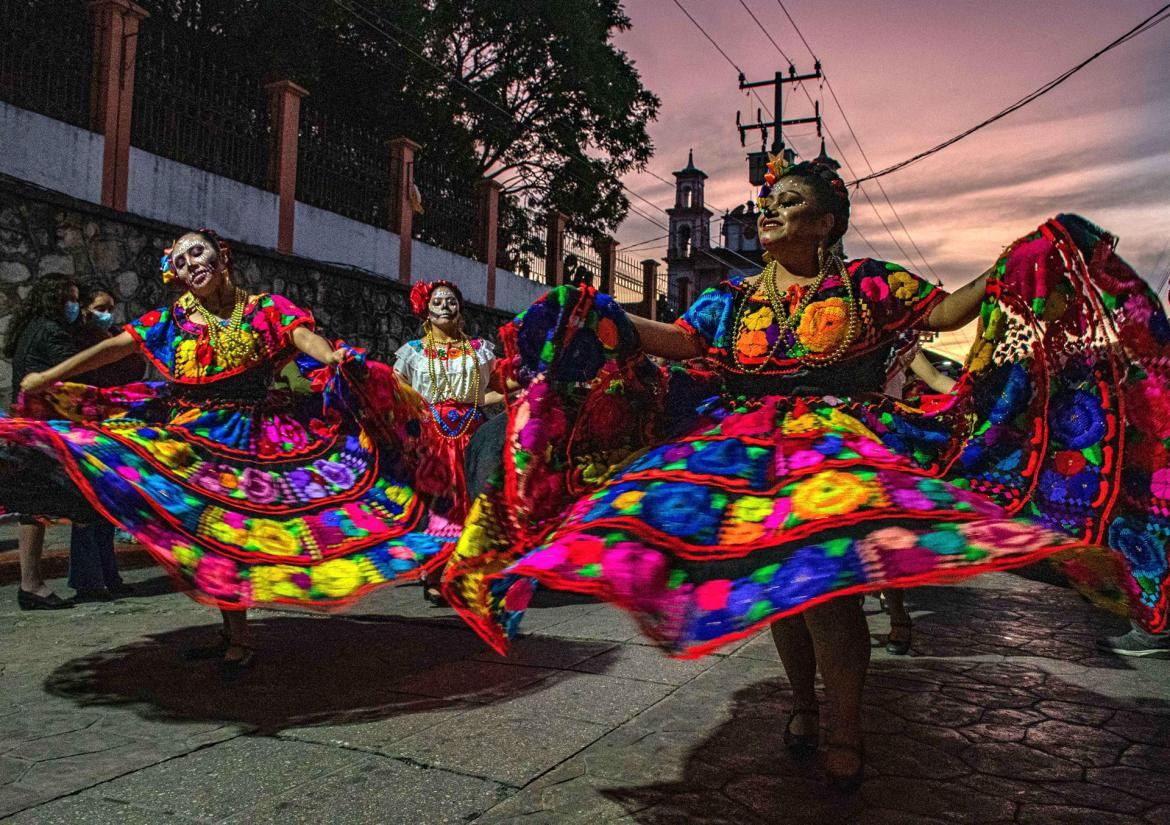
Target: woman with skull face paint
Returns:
[[249, 495], [769, 481], [451, 371]]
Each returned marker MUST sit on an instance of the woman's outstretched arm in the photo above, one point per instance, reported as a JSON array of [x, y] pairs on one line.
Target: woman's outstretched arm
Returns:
[[959, 308], [667, 340], [97, 356]]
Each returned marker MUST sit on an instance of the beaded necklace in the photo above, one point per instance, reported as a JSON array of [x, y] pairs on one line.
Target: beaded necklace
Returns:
[[224, 335], [445, 383], [788, 322]]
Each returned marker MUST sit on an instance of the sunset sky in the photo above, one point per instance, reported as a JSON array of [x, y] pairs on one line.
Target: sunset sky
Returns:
[[911, 73]]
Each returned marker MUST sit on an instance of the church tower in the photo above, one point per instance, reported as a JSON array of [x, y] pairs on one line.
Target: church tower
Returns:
[[690, 231]]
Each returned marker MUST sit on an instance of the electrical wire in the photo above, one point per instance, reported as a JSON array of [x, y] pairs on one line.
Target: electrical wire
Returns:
[[841, 152], [1145, 25]]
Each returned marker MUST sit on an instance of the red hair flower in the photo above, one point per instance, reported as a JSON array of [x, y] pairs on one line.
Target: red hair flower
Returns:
[[420, 295]]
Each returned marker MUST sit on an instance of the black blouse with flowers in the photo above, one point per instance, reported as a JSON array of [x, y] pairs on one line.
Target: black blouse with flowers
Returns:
[[890, 300]]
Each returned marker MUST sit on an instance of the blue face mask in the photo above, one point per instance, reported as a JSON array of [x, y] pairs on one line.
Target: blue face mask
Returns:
[[102, 319], [72, 311]]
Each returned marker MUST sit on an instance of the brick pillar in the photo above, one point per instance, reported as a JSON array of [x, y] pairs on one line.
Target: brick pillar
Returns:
[[554, 249], [607, 251], [650, 289], [284, 104], [115, 45], [401, 216], [489, 232]]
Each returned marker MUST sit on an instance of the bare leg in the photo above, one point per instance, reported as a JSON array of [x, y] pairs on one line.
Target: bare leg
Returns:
[[31, 543], [239, 635], [795, 646], [840, 638]]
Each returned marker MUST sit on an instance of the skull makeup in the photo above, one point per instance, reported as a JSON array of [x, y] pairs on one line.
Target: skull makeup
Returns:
[[197, 263], [444, 310]]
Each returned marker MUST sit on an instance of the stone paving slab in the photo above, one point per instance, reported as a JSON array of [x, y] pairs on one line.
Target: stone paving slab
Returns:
[[1006, 713]]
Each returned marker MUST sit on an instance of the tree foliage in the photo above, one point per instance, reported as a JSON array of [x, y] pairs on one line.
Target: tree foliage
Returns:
[[531, 93]]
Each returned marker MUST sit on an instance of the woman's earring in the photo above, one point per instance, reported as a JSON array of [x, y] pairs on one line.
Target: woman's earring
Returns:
[[820, 257]]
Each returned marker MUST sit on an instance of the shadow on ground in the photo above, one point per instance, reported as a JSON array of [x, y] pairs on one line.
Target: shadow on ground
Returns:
[[945, 742], [315, 671], [962, 622]]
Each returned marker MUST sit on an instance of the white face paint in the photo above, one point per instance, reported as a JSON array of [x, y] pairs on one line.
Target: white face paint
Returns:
[[197, 264], [443, 309]]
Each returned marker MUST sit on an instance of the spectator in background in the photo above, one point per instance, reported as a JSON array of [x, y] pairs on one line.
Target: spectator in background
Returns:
[[41, 335], [93, 565]]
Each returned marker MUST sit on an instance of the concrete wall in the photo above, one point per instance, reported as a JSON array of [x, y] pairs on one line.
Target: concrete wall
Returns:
[[175, 193], [327, 236], [515, 292], [42, 231], [429, 263], [50, 153]]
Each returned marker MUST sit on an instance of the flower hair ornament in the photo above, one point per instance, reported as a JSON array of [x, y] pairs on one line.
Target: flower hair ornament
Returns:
[[420, 295], [167, 265], [778, 166]]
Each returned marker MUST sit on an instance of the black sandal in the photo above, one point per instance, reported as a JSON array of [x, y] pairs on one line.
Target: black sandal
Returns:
[[802, 745], [900, 647], [433, 595], [232, 668], [846, 782]]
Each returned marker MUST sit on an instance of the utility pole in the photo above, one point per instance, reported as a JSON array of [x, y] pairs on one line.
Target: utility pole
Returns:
[[757, 161]]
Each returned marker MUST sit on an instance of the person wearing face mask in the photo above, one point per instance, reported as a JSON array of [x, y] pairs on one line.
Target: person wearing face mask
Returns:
[[42, 333], [247, 494], [93, 564], [451, 371]]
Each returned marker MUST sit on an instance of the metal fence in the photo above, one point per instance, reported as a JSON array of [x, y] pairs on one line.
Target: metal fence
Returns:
[[343, 167], [450, 216], [195, 105], [582, 264], [627, 280], [46, 54], [523, 248]]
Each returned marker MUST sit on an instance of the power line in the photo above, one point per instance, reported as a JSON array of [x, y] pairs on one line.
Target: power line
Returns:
[[719, 49], [1145, 25], [840, 151]]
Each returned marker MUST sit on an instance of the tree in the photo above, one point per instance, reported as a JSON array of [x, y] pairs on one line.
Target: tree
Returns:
[[531, 93]]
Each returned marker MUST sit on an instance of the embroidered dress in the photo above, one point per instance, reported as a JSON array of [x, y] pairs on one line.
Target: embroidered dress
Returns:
[[725, 499], [247, 492], [454, 416]]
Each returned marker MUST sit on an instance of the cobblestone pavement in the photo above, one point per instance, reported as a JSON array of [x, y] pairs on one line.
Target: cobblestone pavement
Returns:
[[395, 713]]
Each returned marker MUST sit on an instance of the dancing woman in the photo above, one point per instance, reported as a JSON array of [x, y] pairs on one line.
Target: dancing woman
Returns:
[[247, 494], [761, 484], [451, 371]]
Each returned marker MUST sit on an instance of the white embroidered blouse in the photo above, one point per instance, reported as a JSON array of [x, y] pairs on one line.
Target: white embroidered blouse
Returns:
[[411, 362]]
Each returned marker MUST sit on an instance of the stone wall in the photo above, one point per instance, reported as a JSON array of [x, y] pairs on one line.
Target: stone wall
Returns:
[[43, 231]]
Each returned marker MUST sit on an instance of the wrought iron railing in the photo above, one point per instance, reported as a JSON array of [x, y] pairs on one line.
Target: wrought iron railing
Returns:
[[46, 54], [522, 243], [627, 280], [582, 264], [193, 103], [450, 217], [344, 167]]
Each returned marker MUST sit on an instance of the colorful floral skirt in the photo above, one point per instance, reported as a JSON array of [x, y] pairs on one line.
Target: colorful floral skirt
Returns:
[[717, 516], [288, 499]]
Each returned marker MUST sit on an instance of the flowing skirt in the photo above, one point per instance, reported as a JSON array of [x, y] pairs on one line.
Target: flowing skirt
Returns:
[[708, 517], [441, 475], [290, 499]]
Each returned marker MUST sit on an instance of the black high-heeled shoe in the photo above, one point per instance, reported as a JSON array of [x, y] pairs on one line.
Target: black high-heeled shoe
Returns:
[[433, 595], [233, 668], [900, 647], [802, 745], [846, 782], [31, 601]]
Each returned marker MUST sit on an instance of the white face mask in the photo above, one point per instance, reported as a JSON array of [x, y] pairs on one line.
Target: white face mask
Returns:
[[102, 319]]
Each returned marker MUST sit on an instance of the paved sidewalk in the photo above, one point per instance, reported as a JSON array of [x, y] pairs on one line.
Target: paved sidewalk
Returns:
[[396, 714]]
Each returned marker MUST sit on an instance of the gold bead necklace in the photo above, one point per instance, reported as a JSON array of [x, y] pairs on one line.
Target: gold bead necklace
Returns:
[[445, 382]]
